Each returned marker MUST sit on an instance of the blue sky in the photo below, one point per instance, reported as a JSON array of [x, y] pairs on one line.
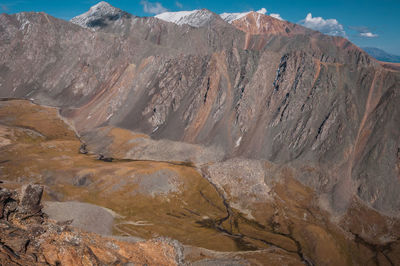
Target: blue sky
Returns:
[[373, 23]]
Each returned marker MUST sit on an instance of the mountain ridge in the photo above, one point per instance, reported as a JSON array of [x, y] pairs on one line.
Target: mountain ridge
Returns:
[[381, 55], [195, 18], [230, 17]]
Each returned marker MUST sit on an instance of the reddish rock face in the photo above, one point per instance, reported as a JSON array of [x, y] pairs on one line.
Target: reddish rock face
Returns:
[[257, 24]]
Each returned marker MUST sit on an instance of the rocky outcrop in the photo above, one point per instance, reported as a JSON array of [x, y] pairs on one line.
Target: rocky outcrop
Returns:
[[27, 237]]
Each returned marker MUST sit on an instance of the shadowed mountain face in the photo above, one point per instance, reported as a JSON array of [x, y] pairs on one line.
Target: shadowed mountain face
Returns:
[[259, 89], [382, 55]]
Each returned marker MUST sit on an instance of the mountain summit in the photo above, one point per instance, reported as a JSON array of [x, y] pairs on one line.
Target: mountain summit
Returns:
[[99, 15], [260, 23]]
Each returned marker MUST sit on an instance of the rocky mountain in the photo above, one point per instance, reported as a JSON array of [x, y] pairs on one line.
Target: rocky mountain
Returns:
[[195, 18], [382, 55], [99, 16], [255, 112], [257, 23], [198, 18]]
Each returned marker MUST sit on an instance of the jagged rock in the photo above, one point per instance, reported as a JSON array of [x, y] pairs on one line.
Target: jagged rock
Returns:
[[101, 157], [83, 179], [4, 195], [24, 240], [31, 196], [83, 149]]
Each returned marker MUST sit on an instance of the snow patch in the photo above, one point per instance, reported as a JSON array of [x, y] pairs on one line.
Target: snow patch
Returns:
[[175, 17], [230, 17], [21, 17], [277, 16], [155, 129], [109, 116], [238, 141], [195, 18]]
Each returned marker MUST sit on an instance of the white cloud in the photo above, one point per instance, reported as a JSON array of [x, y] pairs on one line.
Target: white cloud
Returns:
[[262, 11], [152, 8], [364, 32], [368, 34], [178, 4], [278, 16], [326, 26]]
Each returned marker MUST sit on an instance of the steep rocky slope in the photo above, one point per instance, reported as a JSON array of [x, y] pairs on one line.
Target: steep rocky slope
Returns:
[[239, 211], [259, 89]]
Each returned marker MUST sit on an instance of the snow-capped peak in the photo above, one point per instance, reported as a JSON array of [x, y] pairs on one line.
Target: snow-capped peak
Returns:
[[175, 17], [195, 18], [97, 15], [230, 17], [102, 6]]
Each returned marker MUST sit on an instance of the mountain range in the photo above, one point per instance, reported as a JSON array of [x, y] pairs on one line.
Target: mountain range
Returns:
[[381, 55], [263, 140]]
